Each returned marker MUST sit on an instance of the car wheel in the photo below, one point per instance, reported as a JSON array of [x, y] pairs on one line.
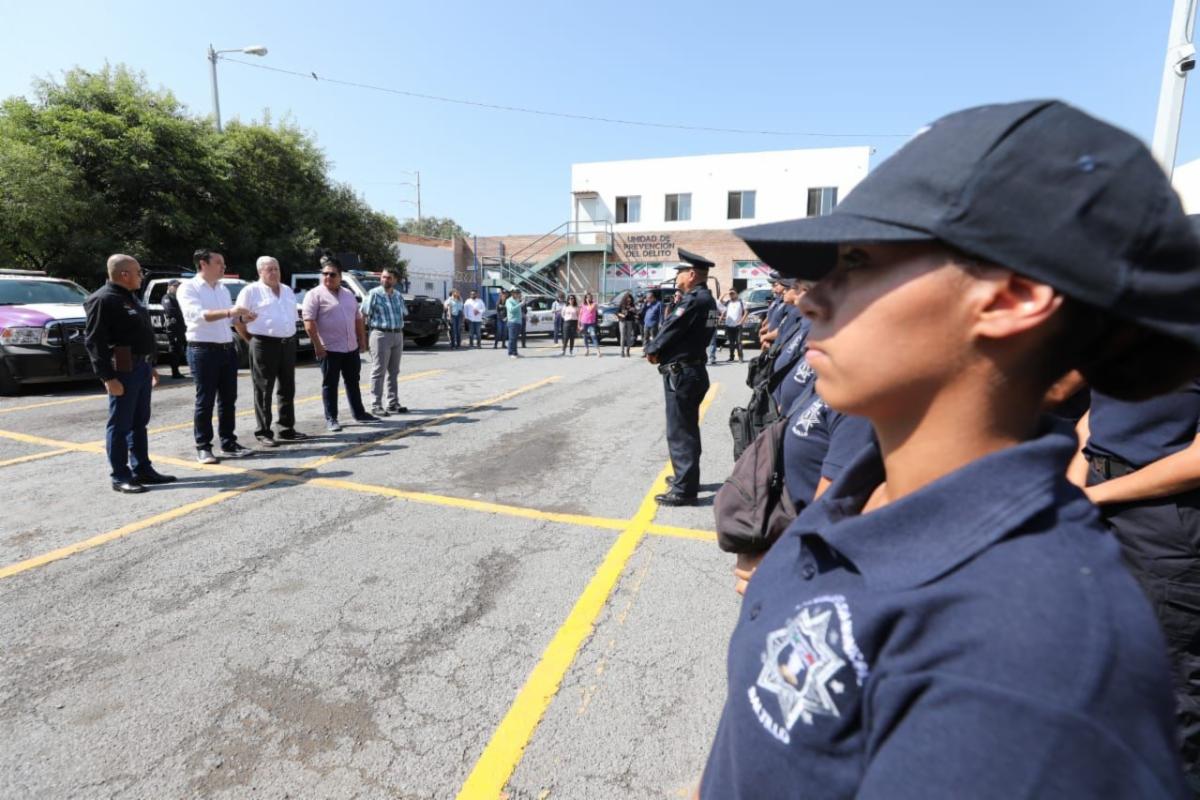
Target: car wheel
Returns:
[[8, 384], [426, 341]]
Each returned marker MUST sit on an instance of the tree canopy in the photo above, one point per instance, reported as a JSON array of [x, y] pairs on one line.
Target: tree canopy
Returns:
[[437, 227], [99, 163]]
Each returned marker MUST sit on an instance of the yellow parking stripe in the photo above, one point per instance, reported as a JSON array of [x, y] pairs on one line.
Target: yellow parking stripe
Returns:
[[581, 520], [81, 399], [682, 533], [96, 541], [34, 457], [507, 744], [141, 525]]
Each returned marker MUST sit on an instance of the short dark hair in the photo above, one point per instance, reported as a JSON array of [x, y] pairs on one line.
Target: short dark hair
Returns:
[[393, 271], [203, 254], [328, 259]]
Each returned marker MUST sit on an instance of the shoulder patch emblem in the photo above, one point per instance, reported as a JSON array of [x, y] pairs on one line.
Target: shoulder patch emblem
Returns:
[[812, 666], [803, 371], [808, 418]]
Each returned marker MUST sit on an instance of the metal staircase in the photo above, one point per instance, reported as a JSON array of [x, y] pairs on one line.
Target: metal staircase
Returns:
[[544, 265]]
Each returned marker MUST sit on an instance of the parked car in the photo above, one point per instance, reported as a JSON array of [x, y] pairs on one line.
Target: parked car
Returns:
[[41, 330], [424, 322], [152, 295]]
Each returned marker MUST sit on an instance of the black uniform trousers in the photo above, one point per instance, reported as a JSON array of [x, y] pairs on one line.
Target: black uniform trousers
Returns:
[[1160, 541], [273, 367], [177, 349], [684, 392]]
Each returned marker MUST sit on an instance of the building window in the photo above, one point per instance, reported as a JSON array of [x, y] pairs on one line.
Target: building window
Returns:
[[679, 208], [629, 209], [741, 205], [821, 201]]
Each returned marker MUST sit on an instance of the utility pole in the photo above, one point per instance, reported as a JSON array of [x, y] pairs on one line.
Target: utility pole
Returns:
[[418, 197], [1180, 60], [212, 60]]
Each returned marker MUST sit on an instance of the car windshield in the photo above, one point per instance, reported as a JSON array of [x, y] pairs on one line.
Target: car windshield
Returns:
[[757, 296], [368, 283], [25, 292], [233, 287]]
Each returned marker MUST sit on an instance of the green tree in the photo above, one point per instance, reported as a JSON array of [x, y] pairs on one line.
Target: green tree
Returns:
[[437, 227], [43, 198]]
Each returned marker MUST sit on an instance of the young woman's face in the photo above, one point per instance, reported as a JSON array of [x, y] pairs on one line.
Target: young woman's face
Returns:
[[891, 326]]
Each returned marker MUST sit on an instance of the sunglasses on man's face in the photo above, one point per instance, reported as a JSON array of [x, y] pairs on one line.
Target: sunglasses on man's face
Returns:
[[329, 274]]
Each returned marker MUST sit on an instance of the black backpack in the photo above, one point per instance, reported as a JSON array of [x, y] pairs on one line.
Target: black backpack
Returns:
[[752, 507], [746, 423]]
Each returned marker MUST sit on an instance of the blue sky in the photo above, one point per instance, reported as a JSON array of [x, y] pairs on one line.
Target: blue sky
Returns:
[[844, 67]]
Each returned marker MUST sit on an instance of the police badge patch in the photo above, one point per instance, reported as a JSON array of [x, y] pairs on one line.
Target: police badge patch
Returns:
[[810, 665]]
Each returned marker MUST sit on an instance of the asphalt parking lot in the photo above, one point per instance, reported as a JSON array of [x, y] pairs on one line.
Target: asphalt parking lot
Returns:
[[479, 599]]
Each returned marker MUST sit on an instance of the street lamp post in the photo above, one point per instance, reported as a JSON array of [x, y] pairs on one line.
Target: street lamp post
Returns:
[[213, 57], [1180, 60]]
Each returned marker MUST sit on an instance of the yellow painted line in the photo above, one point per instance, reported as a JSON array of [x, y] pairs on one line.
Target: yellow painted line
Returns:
[[141, 525], [55, 443], [81, 399], [603, 523], [353, 451], [682, 533], [96, 541], [34, 456], [507, 745]]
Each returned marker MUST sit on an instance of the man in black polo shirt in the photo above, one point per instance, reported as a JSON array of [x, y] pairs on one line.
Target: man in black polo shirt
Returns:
[[120, 340]]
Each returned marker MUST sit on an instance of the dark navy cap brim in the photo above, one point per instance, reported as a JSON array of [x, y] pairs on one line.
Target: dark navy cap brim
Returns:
[[807, 248]]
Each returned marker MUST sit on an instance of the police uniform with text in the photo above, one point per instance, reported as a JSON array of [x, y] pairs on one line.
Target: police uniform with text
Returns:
[[119, 338], [680, 348], [979, 637]]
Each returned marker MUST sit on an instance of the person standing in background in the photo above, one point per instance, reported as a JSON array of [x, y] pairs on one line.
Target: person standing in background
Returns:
[[627, 322], [588, 313], [570, 317], [383, 313], [454, 316], [473, 310], [557, 308], [176, 328], [735, 310], [516, 321], [651, 318], [501, 320]]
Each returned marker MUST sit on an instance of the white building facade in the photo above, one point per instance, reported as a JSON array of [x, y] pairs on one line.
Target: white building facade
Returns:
[[714, 192]]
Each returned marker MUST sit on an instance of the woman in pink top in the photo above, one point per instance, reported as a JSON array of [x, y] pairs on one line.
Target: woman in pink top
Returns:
[[570, 320], [587, 321]]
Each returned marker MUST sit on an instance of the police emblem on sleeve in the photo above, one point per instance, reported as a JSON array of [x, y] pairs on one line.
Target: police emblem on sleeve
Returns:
[[808, 418], [812, 666]]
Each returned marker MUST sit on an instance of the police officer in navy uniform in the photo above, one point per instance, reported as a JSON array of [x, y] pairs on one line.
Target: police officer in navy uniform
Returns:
[[1142, 468], [176, 328], [678, 350], [950, 619], [120, 341]]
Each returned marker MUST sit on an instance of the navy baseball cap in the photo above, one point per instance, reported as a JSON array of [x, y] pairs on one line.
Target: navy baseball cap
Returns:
[[1038, 187]]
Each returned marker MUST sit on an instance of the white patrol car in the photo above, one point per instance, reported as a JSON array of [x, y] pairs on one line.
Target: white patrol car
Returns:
[[41, 330]]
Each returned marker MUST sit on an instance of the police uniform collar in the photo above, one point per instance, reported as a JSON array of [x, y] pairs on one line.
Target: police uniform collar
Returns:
[[120, 289], [923, 536]]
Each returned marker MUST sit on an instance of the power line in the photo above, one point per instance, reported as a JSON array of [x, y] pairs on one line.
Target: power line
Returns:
[[561, 114]]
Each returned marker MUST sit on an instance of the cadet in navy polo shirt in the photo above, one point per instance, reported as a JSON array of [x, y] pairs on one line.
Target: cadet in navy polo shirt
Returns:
[[951, 619], [820, 443], [1143, 469]]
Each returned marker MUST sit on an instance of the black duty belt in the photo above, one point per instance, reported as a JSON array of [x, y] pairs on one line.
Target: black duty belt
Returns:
[[272, 338], [211, 345], [388, 330], [675, 367], [1110, 467]]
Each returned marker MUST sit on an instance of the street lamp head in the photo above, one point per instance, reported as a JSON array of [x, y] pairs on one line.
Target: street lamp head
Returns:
[[255, 50]]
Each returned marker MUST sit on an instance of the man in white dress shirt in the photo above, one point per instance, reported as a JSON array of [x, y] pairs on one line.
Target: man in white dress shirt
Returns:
[[208, 312], [271, 340]]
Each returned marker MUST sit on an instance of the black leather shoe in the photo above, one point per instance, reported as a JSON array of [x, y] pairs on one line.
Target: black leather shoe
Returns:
[[128, 487], [292, 435], [675, 499], [153, 477]]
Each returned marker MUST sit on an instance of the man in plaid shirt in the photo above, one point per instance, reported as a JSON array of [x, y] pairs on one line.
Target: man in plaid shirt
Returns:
[[384, 310]]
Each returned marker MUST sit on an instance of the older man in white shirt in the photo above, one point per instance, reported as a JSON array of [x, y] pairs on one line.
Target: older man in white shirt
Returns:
[[208, 312], [271, 340]]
